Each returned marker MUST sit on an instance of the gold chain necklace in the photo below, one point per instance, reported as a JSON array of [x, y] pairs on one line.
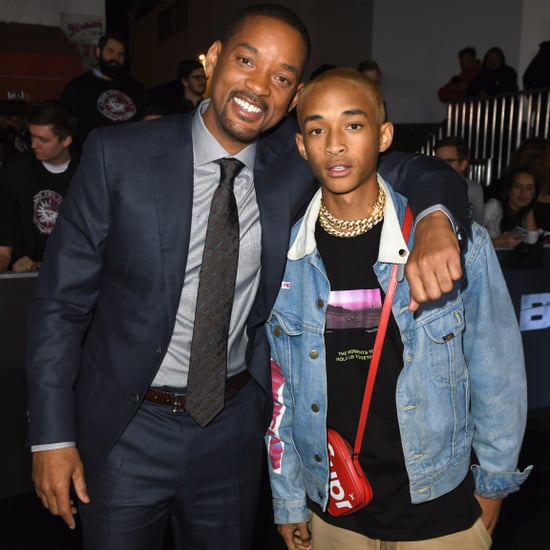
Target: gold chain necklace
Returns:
[[352, 228]]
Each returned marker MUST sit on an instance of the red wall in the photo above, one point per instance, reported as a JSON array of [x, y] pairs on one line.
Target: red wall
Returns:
[[41, 76]]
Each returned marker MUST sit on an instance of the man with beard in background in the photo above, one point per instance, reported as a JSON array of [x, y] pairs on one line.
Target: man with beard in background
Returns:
[[106, 94]]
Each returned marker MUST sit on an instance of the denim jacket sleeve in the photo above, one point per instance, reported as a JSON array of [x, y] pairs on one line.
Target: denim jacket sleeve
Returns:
[[498, 391]]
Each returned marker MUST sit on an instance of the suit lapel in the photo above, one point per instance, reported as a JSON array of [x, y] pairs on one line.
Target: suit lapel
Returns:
[[173, 186], [271, 185]]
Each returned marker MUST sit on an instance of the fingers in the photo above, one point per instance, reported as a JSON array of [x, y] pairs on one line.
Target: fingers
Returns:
[[302, 537], [430, 280], [52, 474], [23, 264], [79, 485], [56, 500], [434, 263], [296, 536]]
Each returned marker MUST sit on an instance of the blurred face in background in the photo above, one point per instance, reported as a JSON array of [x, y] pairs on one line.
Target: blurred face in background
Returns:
[[522, 190], [450, 155], [493, 60], [47, 147], [111, 58], [195, 82], [467, 62]]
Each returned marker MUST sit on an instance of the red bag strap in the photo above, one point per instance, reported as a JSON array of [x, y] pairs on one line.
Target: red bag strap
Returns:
[[379, 342]]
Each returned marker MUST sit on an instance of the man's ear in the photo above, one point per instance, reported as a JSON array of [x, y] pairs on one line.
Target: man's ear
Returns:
[[97, 52], [386, 136], [67, 141], [301, 146], [295, 98], [212, 56]]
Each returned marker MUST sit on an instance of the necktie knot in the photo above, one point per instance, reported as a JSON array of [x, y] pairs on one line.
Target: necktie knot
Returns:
[[229, 170]]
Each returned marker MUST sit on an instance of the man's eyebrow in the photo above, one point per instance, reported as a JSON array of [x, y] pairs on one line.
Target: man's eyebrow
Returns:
[[252, 49], [308, 118], [347, 112], [353, 112]]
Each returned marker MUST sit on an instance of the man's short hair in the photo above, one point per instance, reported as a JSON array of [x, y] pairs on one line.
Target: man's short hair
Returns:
[[54, 114], [467, 51], [462, 149], [345, 73], [274, 11], [187, 66], [111, 36]]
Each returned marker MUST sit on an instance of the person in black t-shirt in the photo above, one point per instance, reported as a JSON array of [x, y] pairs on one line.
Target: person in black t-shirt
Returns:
[[106, 94], [182, 94], [36, 185], [448, 410]]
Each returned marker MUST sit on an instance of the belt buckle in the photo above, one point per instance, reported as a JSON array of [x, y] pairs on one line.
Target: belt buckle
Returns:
[[175, 407]]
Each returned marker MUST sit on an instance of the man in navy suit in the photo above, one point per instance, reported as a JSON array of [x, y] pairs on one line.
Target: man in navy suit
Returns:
[[111, 319]]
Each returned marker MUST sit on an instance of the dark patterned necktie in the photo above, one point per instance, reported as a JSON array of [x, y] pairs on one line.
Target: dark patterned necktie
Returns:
[[208, 362]]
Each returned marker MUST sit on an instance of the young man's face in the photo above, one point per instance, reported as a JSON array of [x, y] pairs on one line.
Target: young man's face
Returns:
[[255, 78], [47, 146], [342, 137], [195, 82], [450, 155]]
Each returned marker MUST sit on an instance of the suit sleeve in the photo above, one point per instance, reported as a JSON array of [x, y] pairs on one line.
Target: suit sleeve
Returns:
[[62, 304], [428, 182]]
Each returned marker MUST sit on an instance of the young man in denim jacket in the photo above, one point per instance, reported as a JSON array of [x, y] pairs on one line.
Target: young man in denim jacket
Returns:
[[448, 412]]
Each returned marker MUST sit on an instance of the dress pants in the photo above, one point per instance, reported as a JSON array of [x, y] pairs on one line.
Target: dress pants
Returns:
[[206, 480]]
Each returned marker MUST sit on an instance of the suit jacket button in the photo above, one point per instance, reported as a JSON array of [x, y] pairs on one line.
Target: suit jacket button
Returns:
[[135, 398], [158, 349]]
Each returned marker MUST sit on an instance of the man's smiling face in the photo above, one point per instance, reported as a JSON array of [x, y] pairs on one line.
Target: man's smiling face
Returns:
[[255, 78]]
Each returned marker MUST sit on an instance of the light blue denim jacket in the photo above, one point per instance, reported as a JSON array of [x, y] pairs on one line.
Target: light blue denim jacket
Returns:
[[462, 385]]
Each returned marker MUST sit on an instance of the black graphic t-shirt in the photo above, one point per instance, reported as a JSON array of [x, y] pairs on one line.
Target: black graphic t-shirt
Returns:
[[48, 191], [98, 102], [353, 315]]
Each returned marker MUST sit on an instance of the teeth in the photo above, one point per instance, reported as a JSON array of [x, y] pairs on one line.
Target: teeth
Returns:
[[247, 106], [338, 168]]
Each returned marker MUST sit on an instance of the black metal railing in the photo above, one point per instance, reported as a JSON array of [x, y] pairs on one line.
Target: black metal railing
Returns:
[[494, 128]]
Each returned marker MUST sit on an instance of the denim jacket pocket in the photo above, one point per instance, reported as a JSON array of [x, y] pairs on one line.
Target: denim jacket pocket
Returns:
[[444, 334], [290, 325]]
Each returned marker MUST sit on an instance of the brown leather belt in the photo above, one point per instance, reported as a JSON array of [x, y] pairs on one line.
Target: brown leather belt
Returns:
[[177, 400]]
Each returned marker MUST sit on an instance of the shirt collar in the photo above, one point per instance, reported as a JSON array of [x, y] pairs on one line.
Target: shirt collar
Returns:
[[207, 149]]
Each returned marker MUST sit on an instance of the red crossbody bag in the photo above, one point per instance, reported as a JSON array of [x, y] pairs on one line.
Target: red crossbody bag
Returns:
[[350, 489]]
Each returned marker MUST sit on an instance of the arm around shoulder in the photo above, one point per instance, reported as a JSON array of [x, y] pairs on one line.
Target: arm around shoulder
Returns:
[[428, 182]]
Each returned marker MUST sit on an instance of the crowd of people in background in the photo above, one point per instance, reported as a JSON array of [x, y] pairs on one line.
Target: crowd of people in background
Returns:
[[36, 169]]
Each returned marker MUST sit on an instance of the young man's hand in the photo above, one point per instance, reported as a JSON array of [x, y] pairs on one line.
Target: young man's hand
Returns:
[[490, 512], [295, 535], [434, 263], [25, 264]]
